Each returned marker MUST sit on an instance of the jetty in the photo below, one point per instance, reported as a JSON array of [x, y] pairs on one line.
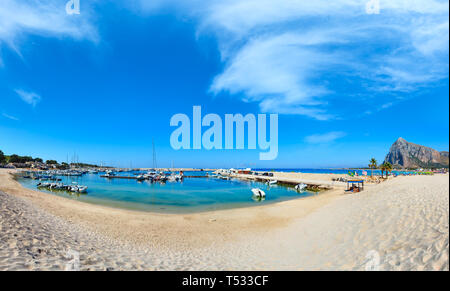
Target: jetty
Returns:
[[312, 184], [284, 179], [119, 177]]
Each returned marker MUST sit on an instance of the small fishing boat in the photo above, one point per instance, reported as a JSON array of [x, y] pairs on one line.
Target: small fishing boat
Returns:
[[149, 176], [74, 174], [109, 174], [78, 189], [141, 178], [272, 182], [301, 187], [61, 186], [57, 186], [73, 188], [82, 189], [258, 192]]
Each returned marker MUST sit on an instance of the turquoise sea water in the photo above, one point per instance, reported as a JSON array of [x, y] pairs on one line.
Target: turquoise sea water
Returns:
[[335, 171], [191, 195]]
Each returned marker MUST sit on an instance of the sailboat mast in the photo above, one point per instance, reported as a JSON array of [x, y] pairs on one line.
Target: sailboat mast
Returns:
[[154, 155]]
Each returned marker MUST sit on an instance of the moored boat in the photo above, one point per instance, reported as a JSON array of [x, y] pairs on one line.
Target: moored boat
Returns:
[[258, 192], [301, 187]]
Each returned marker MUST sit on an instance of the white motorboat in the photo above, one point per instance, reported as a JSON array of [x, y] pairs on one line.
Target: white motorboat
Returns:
[[272, 182], [109, 174], [301, 187], [57, 186], [77, 188], [82, 189], [258, 192], [44, 185]]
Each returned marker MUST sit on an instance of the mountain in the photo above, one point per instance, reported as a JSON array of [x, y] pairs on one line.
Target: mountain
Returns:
[[409, 155], [444, 158]]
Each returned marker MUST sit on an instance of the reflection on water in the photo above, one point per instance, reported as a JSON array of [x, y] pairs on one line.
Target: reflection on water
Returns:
[[190, 195], [258, 198]]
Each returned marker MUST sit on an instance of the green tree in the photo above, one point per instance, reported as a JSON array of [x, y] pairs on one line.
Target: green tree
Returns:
[[2, 158], [51, 162], [373, 165], [14, 159], [64, 166], [19, 159], [388, 167], [38, 160], [26, 159], [382, 168]]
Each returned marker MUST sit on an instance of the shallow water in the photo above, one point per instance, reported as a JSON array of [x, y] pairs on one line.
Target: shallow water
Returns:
[[191, 195], [335, 171]]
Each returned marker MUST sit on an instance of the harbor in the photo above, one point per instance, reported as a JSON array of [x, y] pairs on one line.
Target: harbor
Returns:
[[300, 225], [259, 182], [165, 191]]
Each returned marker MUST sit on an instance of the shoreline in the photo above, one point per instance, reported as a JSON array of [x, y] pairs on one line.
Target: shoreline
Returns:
[[137, 223], [166, 208], [405, 219]]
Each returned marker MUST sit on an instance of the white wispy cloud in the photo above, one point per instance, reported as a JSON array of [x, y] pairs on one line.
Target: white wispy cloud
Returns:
[[265, 72], [289, 56], [325, 138], [29, 97], [19, 18], [286, 54], [10, 117]]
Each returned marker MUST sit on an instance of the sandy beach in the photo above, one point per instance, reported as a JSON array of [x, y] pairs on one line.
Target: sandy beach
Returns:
[[403, 222]]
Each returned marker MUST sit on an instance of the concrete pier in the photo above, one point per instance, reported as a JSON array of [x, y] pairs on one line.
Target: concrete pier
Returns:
[[313, 184]]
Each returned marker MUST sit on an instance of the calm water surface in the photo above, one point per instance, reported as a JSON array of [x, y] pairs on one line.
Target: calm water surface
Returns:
[[191, 195]]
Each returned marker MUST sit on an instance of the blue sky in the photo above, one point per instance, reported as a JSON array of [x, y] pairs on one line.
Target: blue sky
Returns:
[[105, 83]]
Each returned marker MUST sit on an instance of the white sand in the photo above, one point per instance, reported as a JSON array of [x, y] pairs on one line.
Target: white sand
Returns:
[[405, 220]]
